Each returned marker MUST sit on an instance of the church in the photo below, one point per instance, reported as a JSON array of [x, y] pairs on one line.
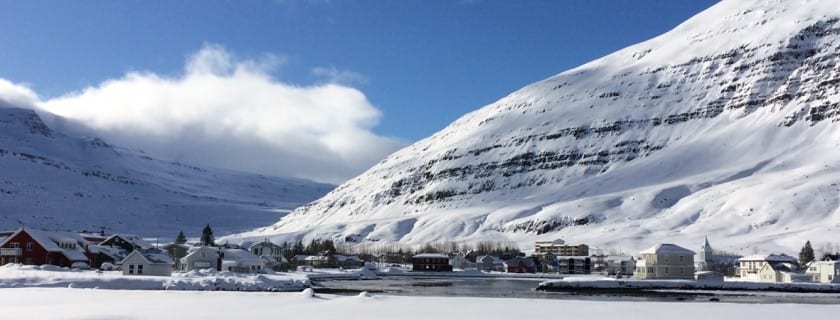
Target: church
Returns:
[[710, 260]]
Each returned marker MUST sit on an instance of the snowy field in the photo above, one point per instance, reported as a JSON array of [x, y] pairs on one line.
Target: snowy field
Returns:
[[63, 303]]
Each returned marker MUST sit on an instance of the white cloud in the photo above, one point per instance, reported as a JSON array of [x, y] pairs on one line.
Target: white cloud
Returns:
[[16, 95], [229, 112], [345, 77]]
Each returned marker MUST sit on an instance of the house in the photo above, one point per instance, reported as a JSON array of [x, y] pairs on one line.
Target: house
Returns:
[[313, 261], [490, 263], [116, 247], [124, 241], [271, 253], [749, 266], [824, 271], [619, 265], [147, 262], [430, 262], [266, 248], [831, 257], [39, 247], [560, 248], [243, 261], [573, 265], [460, 262], [202, 257], [665, 261], [101, 255], [782, 272], [709, 259], [520, 265], [347, 261]]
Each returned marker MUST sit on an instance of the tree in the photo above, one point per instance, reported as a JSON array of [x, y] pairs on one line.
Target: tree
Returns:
[[207, 236], [181, 239], [806, 254]]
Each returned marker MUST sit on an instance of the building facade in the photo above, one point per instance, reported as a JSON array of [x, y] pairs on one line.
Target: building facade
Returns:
[[665, 261], [824, 271], [430, 262]]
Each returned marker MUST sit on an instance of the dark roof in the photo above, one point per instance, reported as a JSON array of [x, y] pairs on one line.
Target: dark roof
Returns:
[[831, 257]]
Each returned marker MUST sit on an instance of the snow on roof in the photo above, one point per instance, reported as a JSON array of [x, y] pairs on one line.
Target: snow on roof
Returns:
[[214, 252], [239, 255], [431, 255], [68, 243], [667, 248], [550, 242], [153, 256], [341, 257], [315, 258], [494, 259], [264, 243], [773, 257], [132, 238]]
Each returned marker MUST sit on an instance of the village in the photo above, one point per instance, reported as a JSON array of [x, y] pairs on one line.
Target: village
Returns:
[[132, 255]]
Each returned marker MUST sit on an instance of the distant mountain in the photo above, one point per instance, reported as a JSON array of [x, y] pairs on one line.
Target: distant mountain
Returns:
[[726, 126], [53, 181]]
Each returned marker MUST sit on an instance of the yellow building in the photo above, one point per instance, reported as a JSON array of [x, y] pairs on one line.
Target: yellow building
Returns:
[[665, 261]]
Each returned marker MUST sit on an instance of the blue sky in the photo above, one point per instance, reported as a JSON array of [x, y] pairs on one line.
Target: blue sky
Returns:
[[419, 64]]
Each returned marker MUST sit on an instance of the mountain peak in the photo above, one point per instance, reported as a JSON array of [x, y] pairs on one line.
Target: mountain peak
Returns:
[[25, 118], [724, 126]]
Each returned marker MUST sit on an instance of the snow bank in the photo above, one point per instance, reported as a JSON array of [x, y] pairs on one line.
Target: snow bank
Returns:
[[15, 275], [579, 284], [186, 305]]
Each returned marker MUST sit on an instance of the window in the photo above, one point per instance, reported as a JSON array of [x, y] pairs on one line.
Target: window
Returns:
[[139, 269], [29, 246], [29, 261], [15, 245], [131, 269], [681, 258], [666, 269]]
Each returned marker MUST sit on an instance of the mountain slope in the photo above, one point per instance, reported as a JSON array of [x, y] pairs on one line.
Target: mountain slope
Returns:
[[725, 126], [53, 181]]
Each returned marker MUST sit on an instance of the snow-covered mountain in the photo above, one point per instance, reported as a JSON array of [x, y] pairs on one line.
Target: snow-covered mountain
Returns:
[[726, 126], [54, 181]]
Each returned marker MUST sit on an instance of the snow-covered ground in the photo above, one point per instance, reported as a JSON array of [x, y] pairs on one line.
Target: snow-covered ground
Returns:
[[63, 303], [15, 275]]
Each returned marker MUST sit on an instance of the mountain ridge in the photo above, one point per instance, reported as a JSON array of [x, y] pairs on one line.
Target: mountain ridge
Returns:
[[724, 126], [54, 181]]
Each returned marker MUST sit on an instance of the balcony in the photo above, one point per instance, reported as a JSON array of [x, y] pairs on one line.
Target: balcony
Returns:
[[10, 252]]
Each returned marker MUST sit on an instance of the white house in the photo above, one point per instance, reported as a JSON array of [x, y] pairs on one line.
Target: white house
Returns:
[[150, 262], [665, 261], [460, 262], [824, 271], [238, 260], [202, 257], [749, 266], [782, 272], [623, 265], [271, 253], [490, 263]]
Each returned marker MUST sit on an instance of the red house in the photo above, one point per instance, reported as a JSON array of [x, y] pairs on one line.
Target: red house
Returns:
[[38, 247]]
